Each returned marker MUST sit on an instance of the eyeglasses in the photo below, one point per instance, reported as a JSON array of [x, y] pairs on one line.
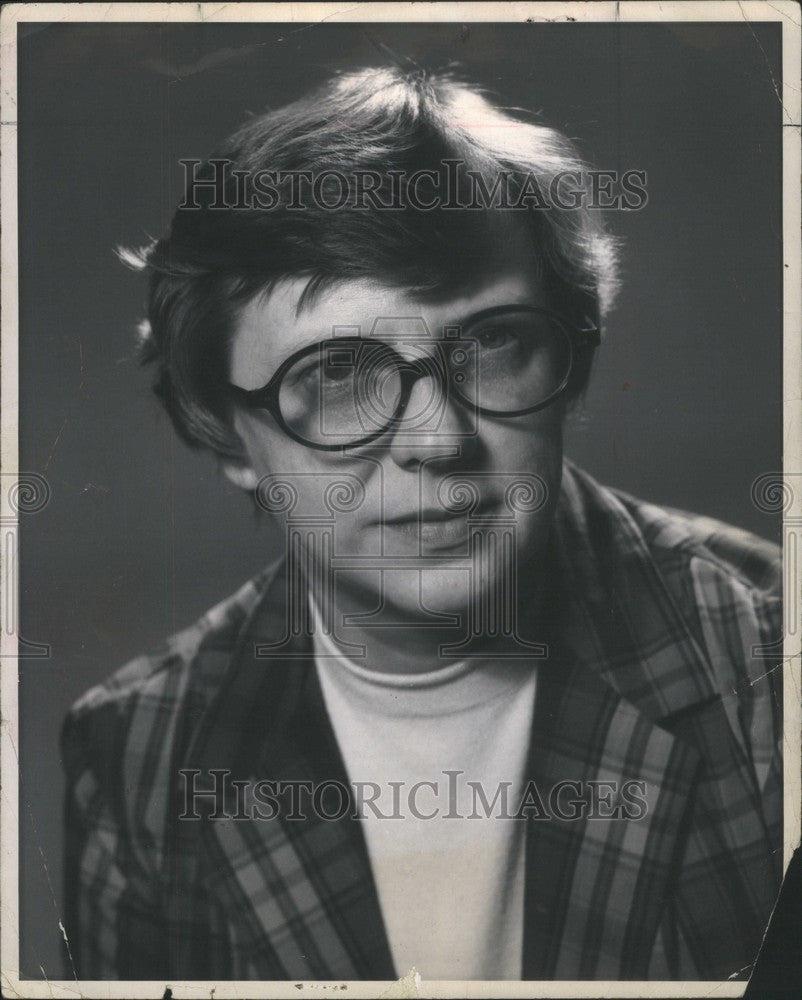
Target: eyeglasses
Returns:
[[508, 361]]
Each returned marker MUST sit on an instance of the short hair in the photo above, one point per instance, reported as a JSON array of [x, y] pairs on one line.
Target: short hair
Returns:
[[213, 260]]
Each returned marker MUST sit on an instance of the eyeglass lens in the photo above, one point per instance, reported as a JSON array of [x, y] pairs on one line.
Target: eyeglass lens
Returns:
[[352, 389]]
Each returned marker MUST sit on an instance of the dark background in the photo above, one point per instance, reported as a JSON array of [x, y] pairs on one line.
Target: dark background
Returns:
[[141, 535]]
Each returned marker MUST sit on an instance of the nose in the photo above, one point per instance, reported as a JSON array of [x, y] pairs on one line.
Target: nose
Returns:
[[432, 422]]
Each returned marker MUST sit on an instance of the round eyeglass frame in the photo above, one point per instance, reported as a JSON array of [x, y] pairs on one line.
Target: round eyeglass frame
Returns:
[[267, 397]]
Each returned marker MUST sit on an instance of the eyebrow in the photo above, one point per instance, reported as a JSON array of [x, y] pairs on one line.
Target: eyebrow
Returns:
[[462, 323], [466, 320]]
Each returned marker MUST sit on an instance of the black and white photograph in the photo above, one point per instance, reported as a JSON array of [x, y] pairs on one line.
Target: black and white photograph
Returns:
[[401, 497]]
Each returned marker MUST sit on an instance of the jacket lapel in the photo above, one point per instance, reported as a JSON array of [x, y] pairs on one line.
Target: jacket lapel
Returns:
[[596, 885], [625, 695], [296, 889]]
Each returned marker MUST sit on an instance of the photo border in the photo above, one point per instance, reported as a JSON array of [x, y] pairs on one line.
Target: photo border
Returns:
[[785, 12]]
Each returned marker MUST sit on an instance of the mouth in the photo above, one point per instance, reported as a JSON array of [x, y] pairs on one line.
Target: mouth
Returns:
[[434, 527], [426, 515]]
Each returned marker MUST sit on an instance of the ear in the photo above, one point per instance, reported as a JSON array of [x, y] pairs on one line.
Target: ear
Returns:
[[241, 475]]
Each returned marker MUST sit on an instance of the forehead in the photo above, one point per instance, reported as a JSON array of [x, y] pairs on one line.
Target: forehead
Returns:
[[270, 328]]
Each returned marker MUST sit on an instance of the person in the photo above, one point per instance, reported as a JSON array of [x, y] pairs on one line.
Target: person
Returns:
[[485, 717]]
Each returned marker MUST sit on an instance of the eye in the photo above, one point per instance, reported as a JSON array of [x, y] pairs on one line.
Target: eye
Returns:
[[326, 372], [337, 372], [493, 338]]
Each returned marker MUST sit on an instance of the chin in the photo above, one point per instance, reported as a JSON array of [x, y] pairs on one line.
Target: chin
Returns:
[[414, 596], [445, 590], [453, 591]]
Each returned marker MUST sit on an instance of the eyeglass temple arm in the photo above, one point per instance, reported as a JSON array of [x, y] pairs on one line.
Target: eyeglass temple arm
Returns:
[[589, 335]]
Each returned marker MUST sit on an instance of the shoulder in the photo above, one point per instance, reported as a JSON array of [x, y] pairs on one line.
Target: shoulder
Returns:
[[684, 539], [136, 711], [722, 582], [725, 580], [677, 541]]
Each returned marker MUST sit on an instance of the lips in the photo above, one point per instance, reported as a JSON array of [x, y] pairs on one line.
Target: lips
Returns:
[[426, 515], [444, 533], [434, 528]]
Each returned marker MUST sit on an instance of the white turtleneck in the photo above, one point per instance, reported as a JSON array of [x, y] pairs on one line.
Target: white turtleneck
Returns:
[[450, 886]]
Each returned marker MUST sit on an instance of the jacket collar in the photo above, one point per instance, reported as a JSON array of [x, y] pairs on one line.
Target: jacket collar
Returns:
[[626, 694], [617, 616]]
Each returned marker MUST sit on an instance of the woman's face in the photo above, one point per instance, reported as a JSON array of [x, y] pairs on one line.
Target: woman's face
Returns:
[[399, 545]]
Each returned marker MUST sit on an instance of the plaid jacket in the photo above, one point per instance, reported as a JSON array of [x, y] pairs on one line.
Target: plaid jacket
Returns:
[[653, 674]]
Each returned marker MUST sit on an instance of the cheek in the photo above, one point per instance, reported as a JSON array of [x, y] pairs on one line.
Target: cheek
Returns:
[[268, 449], [525, 444], [304, 474], [530, 446]]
